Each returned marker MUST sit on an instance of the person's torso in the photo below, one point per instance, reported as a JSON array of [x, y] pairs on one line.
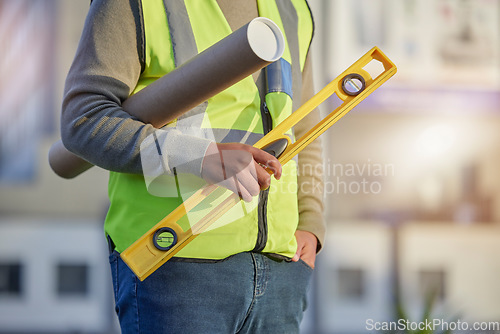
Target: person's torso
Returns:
[[268, 223]]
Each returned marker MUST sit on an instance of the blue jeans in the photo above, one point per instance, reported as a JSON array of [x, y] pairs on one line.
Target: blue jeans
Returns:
[[246, 293]]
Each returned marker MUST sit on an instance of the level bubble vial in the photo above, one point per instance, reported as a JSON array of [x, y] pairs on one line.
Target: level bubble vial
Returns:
[[353, 84], [164, 238]]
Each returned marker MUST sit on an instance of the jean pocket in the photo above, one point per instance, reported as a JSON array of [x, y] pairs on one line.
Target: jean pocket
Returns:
[[306, 265]]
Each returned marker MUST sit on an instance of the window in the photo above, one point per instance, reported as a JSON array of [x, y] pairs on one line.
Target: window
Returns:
[[351, 283], [432, 283], [10, 279], [72, 279]]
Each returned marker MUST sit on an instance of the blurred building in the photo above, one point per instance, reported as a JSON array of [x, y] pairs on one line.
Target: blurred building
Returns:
[[411, 186], [411, 175], [372, 272], [54, 276]]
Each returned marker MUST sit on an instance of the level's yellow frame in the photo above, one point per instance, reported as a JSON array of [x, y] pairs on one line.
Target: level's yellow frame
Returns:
[[144, 258]]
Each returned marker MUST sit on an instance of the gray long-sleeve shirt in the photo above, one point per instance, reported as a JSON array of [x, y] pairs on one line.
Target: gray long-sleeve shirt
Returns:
[[104, 72]]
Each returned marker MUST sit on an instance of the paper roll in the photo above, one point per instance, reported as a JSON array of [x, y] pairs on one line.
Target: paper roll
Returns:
[[245, 51]]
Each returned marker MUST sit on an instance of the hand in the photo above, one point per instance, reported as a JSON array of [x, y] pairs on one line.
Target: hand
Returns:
[[306, 247], [239, 168]]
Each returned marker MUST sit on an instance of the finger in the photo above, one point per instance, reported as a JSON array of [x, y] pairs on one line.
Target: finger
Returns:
[[275, 167], [243, 192], [247, 180], [309, 260], [267, 160], [307, 256], [298, 253], [263, 177]]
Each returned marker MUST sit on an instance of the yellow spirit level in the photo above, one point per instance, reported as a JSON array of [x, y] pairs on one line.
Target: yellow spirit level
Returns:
[[167, 237]]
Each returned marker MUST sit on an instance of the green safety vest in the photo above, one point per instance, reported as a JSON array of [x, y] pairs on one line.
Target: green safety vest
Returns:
[[175, 31]]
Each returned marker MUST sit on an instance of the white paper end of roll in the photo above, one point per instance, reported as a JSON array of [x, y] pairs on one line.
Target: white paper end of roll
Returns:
[[266, 39]]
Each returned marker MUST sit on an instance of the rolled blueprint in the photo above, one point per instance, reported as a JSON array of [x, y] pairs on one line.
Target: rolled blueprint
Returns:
[[245, 51]]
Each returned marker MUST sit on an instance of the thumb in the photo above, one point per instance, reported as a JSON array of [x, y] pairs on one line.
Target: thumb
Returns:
[[296, 257]]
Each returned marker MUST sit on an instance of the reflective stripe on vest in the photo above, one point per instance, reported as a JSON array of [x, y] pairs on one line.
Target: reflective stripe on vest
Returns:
[[232, 116]]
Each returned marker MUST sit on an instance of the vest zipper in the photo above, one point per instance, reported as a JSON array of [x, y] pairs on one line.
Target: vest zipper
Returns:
[[267, 120], [267, 124]]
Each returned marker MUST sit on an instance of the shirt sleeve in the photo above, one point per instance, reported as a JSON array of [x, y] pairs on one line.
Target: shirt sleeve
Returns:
[[104, 72], [310, 167]]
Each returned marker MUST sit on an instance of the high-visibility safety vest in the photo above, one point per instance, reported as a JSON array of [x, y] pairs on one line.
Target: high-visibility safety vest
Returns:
[[175, 31]]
